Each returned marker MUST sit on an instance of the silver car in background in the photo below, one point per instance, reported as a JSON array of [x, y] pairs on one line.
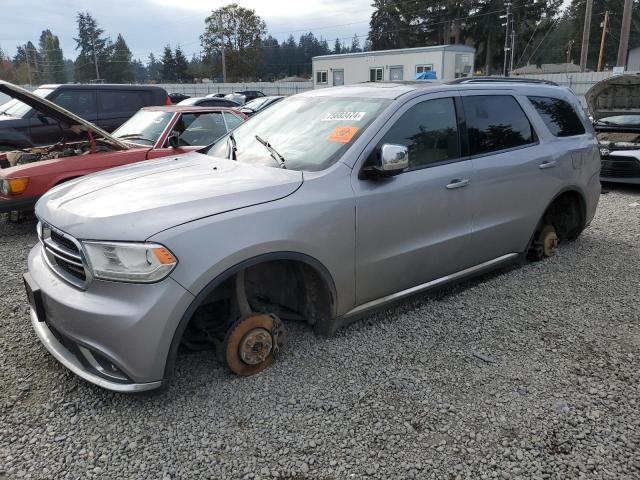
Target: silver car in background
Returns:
[[332, 204]]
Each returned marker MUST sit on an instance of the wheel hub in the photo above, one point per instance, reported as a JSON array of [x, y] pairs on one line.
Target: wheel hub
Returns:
[[256, 346]]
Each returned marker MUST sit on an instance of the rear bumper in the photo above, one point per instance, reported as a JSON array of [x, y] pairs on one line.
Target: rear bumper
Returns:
[[9, 205]]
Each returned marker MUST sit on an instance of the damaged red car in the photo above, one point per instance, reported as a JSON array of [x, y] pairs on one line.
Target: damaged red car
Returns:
[[153, 132]]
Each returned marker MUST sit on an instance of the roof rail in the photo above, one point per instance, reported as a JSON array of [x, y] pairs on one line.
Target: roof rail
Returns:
[[501, 80]]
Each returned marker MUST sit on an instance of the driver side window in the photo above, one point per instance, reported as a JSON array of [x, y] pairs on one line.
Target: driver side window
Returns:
[[430, 132], [199, 129]]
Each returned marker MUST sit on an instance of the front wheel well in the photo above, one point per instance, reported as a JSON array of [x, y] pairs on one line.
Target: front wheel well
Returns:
[[294, 288]]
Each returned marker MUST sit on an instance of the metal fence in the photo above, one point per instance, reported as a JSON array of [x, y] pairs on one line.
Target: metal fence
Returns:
[[579, 83], [268, 88]]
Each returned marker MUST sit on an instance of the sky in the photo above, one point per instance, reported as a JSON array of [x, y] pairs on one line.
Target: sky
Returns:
[[148, 25]]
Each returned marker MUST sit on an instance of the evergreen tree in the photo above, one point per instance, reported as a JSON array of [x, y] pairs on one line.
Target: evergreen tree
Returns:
[[355, 44], [27, 63], [154, 69], [140, 74], [181, 66], [119, 68], [337, 46], [95, 50], [168, 69], [52, 68]]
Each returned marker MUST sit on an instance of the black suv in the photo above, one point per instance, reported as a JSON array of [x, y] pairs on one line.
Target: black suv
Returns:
[[251, 94], [107, 106]]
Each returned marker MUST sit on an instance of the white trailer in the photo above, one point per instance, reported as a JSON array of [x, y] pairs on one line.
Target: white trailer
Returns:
[[446, 61]]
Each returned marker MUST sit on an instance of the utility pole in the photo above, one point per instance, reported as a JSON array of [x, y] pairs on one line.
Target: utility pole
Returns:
[[508, 25], [26, 50], [95, 56], [624, 34], [513, 46], [605, 25], [585, 36], [224, 63]]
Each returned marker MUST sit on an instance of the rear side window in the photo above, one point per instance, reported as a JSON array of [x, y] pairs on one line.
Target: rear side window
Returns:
[[495, 122], [429, 130], [559, 116], [122, 101], [80, 102]]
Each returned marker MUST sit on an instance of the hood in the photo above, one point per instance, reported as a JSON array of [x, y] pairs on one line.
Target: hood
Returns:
[[50, 109], [619, 95], [133, 203]]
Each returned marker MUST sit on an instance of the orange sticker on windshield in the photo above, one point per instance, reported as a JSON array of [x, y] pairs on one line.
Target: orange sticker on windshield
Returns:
[[342, 134]]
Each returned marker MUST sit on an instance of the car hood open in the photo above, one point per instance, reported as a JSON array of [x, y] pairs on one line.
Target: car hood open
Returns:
[[50, 109], [133, 203], [619, 95]]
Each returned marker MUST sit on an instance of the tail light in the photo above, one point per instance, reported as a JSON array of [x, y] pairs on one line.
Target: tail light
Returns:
[[168, 101]]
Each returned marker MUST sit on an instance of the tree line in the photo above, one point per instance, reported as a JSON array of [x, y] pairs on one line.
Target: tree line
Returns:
[[544, 34]]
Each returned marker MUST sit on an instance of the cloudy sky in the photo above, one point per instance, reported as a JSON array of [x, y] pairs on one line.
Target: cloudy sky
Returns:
[[148, 25]]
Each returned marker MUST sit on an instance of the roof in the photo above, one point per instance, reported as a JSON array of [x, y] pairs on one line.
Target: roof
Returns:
[[111, 86], [188, 108], [393, 90], [399, 51]]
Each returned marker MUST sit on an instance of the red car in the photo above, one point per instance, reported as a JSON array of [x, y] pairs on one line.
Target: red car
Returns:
[[151, 133]]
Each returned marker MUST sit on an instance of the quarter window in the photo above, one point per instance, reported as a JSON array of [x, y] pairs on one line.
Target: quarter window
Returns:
[[321, 77], [232, 120], [559, 116], [80, 102], [430, 132], [120, 101], [375, 74], [495, 122]]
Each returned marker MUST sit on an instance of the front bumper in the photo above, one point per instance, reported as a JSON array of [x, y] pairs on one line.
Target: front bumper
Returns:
[[11, 204], [115, 335], [621, 166]]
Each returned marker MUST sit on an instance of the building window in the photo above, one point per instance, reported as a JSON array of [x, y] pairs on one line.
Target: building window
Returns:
[[321, 77], [375, 74], [424, 68]]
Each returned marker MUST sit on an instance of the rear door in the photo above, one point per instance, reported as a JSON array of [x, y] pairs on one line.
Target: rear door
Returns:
[[515, 178], [116, 106]]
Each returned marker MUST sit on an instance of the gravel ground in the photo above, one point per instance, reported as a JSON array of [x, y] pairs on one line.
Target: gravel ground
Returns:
[[532, 372]]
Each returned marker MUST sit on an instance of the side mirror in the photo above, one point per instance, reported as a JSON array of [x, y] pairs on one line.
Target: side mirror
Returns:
[[393, 159], [173, 140]]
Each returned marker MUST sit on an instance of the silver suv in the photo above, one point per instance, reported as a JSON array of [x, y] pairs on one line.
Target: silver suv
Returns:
[[334, 203]]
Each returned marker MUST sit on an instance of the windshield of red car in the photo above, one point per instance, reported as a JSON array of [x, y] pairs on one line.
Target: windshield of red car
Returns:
[[144, 128]]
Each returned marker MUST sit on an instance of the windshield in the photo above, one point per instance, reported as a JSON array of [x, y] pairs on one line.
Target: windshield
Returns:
[[144, 128], [19, 109], [621, 120], [309, 133]]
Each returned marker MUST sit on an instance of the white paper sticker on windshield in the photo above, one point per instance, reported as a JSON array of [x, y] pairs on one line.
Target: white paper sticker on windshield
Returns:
[[343, 116]]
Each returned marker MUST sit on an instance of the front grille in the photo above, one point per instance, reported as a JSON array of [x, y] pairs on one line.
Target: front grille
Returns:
[[617, 166], [63, 255]]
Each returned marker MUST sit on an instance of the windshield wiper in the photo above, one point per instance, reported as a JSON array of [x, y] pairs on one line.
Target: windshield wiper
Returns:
[[135, 136], [274, 153]]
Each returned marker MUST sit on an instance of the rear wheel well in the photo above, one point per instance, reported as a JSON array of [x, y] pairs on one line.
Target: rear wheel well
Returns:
[[567, 214]]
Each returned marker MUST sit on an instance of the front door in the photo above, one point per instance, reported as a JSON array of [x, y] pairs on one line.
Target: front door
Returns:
[[414, 227], [338, 78]]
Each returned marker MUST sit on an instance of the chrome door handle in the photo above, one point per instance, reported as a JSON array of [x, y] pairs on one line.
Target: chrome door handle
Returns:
[[458, 183], [547, 164]]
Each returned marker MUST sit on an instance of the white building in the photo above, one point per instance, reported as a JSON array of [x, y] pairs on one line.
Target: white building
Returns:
[[447, 61]]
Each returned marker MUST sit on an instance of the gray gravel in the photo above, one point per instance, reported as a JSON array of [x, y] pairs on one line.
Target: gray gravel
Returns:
[[529, 373]]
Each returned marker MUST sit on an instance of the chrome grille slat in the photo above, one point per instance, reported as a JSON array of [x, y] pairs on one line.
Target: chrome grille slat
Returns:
[[63, 254]]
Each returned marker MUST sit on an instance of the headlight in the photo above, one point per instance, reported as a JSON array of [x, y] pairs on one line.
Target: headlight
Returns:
[[14, 186], [129, 262]]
